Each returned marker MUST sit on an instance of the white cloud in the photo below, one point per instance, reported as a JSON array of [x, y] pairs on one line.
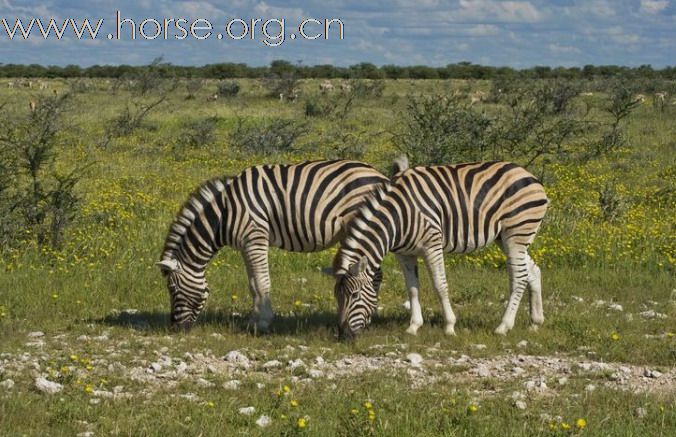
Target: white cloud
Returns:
[[512, 11], [654, 6], [484, 30], [558, 48]]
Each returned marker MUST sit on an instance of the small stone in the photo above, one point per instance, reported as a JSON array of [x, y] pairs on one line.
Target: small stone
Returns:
[[85, 434], [414, 358], [181, 367], [35, 334], [238, 358], [589, 388], [599, 303], [247, 411], [315, 373], [521, 405], [478, 346], [615, 307], [522, 344], [260, 385], [272, 364], [518, 370], [95, 401], [563, 380], [319, 361], [46, 386], [232, 385], [263, 421], [482, 371], [652, 314], [294, 364], [652, 373], [641, 412], [535, 385], [154, 367], [7, 384], [130, 311], [204, 383]]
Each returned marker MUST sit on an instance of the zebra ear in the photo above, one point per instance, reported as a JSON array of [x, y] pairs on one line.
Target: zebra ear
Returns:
[[359, 267], [168, 265]]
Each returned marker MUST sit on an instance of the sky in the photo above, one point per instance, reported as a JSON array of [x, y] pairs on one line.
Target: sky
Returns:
[[513, 33]]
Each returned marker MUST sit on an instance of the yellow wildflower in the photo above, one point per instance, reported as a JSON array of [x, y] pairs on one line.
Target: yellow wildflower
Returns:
[[615, 336], [565, 426], [473, 408], [302, 423], [581, 423], [368, 405], [294, 403]]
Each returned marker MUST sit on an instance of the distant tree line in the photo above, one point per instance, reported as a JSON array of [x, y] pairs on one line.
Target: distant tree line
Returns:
[[364, 70]]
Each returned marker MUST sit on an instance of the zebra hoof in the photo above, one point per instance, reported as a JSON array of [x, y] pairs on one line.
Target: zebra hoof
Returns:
[[412, 330], [449, 330], [501, 330]]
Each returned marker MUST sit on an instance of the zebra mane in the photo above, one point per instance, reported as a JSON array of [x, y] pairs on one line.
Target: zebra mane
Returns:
[[372, 201], [186, 216]]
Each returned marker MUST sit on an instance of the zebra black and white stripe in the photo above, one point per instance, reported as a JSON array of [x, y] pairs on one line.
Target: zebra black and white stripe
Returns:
[[300, 208], [428, 211]]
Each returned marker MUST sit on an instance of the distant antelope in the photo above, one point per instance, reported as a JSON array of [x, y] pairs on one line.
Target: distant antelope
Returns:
[[43, 85], [10, 84], [326, 86], [477, 97], [32, 105], [639, 98], [212, 98]]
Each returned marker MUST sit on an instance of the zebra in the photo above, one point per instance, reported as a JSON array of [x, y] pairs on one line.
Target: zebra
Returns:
[[300, 208], [428, 211]]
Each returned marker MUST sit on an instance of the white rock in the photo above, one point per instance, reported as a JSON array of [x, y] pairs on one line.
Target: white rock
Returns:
[[232, 385], [518, 370], [46, 386], [652, 373], [589, 388], [154, 367], [95, 401], [35, 334], [204, 383], [315, 373], [130, 311], [414, 358], [599, 303], [482, 371], [103, 394], [615, 307], [578, 299], [36, 343], [247, 411], [563, 380], [479, 346], [260, 385], [238, 358], [641, 412], [85, 434], [319, 361], [521, 405], [263, 421], [535, 385], [652, 314], [272, 364], [181, 367], [294, 364], [522, 344], [7, 384]]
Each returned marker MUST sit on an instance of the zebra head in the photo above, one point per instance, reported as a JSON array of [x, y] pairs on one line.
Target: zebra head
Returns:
[[356, 292], [188, 292]]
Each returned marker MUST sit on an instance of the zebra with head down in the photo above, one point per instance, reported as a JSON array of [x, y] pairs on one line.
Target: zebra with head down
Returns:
[[428, 211], [300, 208]]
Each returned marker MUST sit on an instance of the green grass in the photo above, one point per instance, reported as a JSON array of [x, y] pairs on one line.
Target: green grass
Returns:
[[107, 267]]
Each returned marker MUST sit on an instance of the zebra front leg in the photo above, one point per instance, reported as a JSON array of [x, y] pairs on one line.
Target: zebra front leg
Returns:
[[535, 286], [409, 265], [434, 260], [517, 267], [256, 260]]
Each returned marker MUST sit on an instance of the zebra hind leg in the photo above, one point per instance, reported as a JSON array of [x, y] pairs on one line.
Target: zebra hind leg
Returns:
[[535, 286]]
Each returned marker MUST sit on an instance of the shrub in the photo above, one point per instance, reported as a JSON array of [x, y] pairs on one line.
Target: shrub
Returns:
[[228, 88], [329, 106], [193, 86], [272, 136], [198, 133]]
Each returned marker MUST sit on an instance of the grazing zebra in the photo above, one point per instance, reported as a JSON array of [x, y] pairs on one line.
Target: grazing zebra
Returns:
[[427, 211], [301, 208]]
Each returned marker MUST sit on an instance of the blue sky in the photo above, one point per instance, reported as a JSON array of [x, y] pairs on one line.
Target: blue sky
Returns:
[[431, 32]]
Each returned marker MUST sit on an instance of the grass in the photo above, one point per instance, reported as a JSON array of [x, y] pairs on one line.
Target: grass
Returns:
[[79, 298]]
